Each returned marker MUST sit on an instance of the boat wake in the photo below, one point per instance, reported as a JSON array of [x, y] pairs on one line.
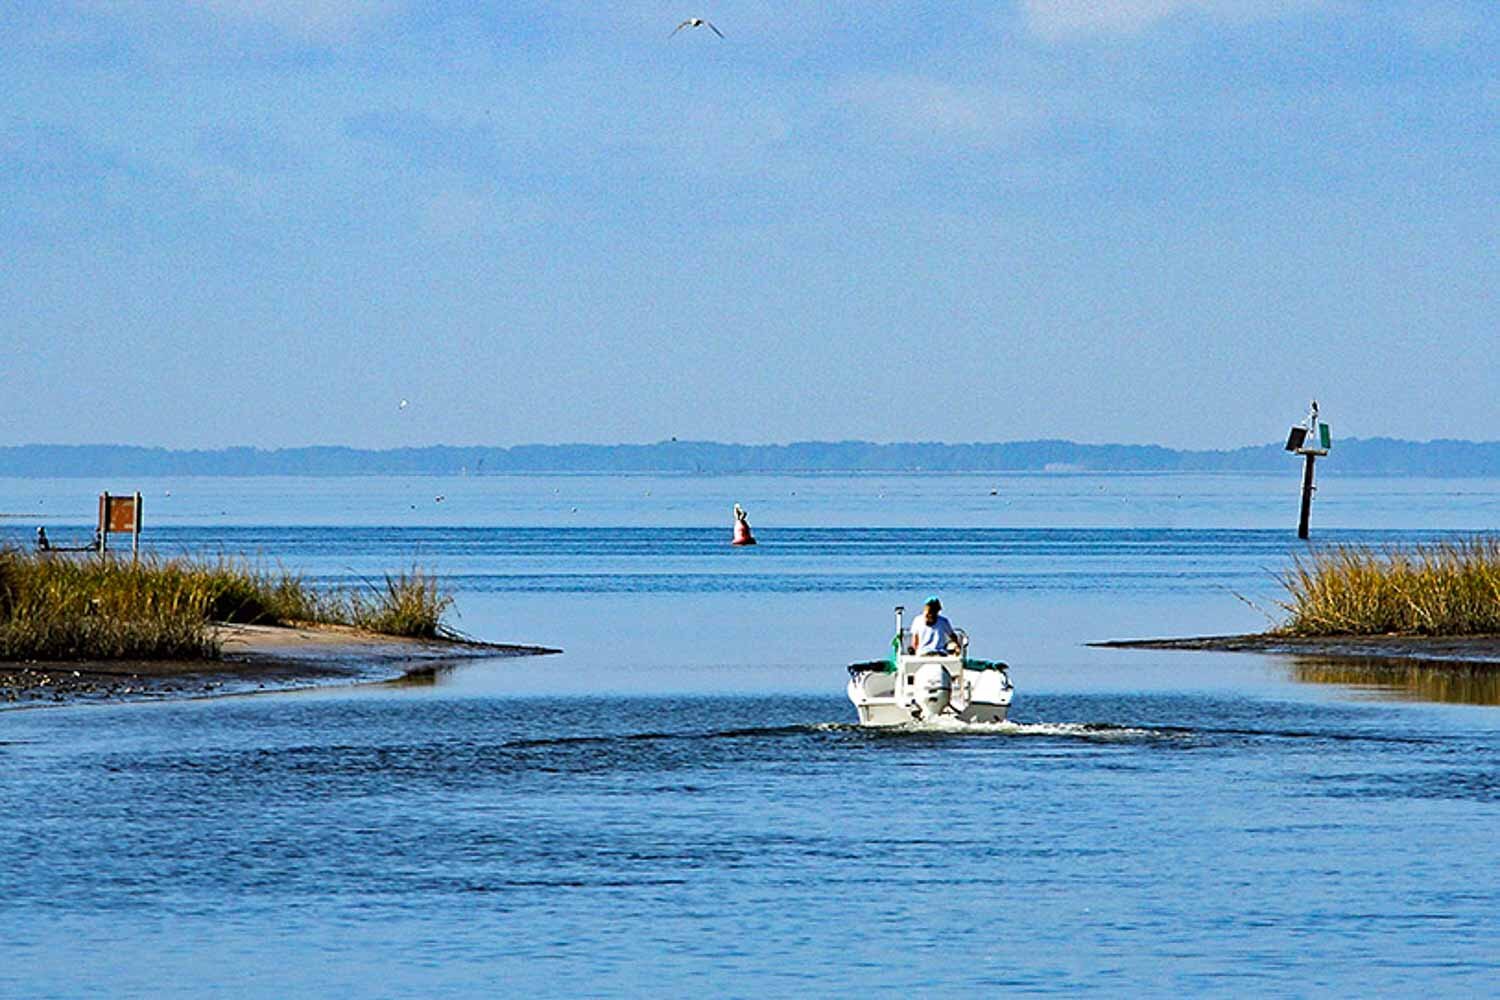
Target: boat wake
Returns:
[[1101, 732]]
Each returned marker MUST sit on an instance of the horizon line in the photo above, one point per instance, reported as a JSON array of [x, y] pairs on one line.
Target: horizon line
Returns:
[[734, 444]]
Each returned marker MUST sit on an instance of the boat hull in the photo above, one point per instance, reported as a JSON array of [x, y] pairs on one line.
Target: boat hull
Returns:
[[929, 689], [887, 713]]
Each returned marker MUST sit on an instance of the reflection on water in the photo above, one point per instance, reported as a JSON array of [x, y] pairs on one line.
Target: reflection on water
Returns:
[[1407, 680], [428, 673]]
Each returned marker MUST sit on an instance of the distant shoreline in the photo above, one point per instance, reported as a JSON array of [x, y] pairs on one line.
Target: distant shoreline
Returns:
[[255, 658], [1354, 456], [1465, 649]]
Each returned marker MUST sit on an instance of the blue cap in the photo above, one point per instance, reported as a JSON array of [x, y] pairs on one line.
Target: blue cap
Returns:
[[932, 599]]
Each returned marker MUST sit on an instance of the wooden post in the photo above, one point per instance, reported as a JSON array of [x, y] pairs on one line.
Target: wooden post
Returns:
[[135, 530], [103, 523], [1307, 493]]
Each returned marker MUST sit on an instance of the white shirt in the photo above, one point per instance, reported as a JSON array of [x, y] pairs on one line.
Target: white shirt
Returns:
[[931, 638]]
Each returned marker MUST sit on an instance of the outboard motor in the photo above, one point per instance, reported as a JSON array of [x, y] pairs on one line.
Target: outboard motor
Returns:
[[934, 689]]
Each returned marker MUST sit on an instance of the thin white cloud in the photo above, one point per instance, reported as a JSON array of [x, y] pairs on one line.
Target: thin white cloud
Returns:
[[918, 108], [472, 214], [1437, 24], [1063, 19], [307, 20]]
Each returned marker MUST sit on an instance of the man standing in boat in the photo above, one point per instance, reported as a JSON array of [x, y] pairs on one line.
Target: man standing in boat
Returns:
[[931, 633]]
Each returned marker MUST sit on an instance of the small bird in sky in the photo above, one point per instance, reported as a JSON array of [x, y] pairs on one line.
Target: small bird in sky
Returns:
[[697, 22], [402, 405]]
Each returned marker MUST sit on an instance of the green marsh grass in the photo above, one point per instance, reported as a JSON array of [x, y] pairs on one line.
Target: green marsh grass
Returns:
[[1444, 588], [408, 604], [59, 607]]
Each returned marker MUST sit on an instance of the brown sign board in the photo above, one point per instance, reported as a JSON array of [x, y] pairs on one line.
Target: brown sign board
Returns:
[[119, 514]]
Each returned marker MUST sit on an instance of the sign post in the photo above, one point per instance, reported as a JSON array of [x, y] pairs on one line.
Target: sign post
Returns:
[[1311, 440], [120, 515], [1307, 494]]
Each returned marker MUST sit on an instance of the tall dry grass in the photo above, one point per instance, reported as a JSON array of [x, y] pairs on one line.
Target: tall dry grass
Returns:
[[1446, 588], [58, 607], [409, 603]]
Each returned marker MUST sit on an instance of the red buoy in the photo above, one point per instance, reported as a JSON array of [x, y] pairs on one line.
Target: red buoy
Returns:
[[742, 534]]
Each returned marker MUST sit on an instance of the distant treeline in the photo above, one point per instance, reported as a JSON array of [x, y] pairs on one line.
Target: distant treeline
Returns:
[[1368, 457]]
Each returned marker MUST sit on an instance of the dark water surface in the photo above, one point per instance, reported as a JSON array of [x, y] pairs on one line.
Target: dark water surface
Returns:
[[678, 804]]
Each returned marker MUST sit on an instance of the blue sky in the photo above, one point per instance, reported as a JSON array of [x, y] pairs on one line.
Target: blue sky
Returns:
[[267, 222]]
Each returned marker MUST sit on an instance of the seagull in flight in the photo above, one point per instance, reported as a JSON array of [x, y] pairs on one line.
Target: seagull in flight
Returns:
[[697, 22]]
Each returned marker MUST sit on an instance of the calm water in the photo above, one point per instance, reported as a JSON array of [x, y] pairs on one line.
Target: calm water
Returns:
[[678, 804]]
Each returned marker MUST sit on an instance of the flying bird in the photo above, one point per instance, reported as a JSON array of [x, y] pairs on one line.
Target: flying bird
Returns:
[[402, 405], [697, 22]]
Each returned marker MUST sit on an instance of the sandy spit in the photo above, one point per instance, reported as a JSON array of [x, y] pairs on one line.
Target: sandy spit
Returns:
[[255, 657], [1467, 649]]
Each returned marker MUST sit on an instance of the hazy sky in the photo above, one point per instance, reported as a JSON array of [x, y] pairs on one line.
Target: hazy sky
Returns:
[[268, 221]]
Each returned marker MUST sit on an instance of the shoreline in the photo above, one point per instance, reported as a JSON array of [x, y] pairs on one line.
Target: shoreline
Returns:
[[1466, 650], [255, 658]]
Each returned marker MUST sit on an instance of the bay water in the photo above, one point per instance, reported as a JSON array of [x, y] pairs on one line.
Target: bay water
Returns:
[[679, 803]]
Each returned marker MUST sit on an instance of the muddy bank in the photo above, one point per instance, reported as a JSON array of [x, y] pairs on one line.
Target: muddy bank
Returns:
[[1469, 649], [255, 658]]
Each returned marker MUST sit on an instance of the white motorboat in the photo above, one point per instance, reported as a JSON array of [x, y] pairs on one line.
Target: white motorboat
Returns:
[[907, 688]]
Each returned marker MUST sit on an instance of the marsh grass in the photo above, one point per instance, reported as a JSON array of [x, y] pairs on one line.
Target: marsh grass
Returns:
[[1445, 588], [408, 603], [55, 607]]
